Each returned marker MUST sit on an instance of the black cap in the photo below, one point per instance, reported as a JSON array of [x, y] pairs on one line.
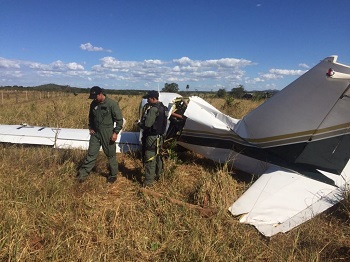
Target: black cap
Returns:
[[152, 93], [94, 91]]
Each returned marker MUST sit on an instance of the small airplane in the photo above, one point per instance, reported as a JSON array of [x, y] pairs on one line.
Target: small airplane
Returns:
[[298, 142]]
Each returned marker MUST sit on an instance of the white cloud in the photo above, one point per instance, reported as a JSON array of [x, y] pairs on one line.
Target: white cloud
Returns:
[[28, 73], [6, 63], [75, 66], [113, 73], [233, 62], [15, 74], [258, 79], [55, 66], [280, 73], [223, 62], [89, 47], [153, 62], [271, 76], [304, 66], [182, 60], [287, 72], [112, 63], [176, 69], [206, 74]]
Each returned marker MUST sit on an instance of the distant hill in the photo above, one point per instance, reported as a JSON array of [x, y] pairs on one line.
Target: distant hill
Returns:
[[69, 89]]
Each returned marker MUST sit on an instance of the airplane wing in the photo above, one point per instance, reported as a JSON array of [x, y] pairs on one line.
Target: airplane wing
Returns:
[[66, 138], [69, 138], [282, 199], [24, 134]]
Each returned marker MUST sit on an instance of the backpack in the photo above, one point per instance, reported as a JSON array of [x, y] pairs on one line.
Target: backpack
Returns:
[[160, 124]]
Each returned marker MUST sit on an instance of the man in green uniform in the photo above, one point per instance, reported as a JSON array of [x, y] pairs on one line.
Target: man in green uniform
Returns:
[[153, 125], [177, 119], [104, 112]]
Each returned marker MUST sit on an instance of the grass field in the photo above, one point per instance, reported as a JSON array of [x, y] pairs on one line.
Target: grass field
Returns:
[[45, 215]]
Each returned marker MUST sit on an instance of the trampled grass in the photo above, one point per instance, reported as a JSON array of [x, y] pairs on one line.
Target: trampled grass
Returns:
[[46, 216]]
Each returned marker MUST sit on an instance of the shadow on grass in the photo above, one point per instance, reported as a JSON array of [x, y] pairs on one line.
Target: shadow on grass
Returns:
[[244, 177], [134, 174], [132, 170], [210, 165]]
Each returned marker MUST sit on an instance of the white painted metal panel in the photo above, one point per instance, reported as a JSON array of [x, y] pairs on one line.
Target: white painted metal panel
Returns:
[[20, 134], [66, 138], [281, 200], [300, 106], [73, 138]]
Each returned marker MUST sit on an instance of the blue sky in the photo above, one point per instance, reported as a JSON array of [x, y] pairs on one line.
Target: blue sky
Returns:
[[139, 44]]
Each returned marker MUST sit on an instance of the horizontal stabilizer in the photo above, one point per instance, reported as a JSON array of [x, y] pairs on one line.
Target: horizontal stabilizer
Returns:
[[281, 200]]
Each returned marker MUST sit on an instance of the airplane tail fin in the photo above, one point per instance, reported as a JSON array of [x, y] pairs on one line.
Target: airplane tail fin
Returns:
[[308, 122]]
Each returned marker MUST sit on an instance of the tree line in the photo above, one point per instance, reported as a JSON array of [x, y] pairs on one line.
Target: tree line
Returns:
[[236, 92], [240, 93]]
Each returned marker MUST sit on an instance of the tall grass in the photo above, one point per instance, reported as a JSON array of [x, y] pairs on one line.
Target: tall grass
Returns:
[[46, 216]]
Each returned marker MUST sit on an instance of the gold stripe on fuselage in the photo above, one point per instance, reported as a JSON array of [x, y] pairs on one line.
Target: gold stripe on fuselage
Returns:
[[297, 137]]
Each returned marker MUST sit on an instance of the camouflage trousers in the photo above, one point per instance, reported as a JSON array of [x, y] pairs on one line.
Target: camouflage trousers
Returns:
[[152, 158]]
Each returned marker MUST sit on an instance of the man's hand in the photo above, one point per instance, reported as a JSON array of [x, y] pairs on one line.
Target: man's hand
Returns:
[[91, 131], [114, 137]]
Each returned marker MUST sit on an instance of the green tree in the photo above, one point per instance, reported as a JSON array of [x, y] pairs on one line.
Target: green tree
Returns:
[[221, 93], [238, 91], [172, 88], [187, 87]]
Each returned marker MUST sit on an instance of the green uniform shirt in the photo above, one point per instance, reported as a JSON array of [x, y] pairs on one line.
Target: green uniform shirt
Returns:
[[150, 118], [103, 115]]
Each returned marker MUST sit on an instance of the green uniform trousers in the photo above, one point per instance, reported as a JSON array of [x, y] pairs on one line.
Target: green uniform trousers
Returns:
[[100, 138], [152, 159]]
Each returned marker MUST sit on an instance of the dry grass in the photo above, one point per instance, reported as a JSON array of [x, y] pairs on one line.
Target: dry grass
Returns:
[[46, 216], [236, 108]]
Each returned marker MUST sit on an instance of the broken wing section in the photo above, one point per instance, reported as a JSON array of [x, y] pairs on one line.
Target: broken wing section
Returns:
[[24, 134], [67, 138], [79, 138], [281, 200]]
